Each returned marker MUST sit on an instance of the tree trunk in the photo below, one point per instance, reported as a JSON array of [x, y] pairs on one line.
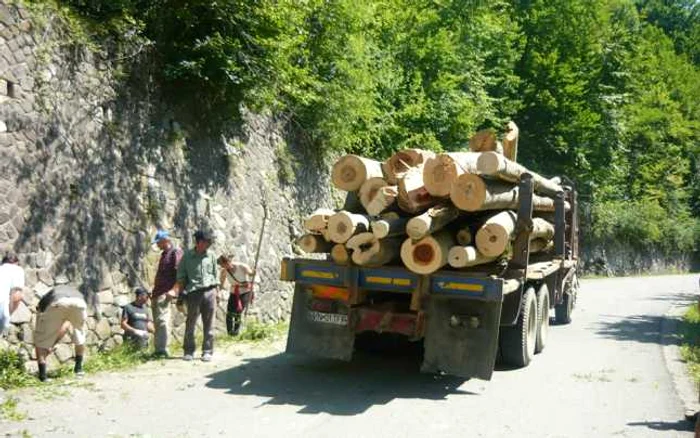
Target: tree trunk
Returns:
[[376, 195], [427, 255], [398, 164], [413, 197], [441, 171], [494, 235], [367, 250], [389, 227], [311, 243], [510, 141], [340, 254], [350, 171], [432, 220], [465, 256], [473, 193], [494, 164], [317, 221], [541, 229], [464, 236], [343, 225], [484, 141]]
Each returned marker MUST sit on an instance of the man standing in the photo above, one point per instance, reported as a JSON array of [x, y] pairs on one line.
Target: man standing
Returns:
[[197, 279], [11, 288], [136, 322], [241, 291], [63, 303], [166, 277]]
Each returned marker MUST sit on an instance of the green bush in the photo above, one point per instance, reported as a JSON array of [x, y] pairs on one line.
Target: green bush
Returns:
[[12, 371]]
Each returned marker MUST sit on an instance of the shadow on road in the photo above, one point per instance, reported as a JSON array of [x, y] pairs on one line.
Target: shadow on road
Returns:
[[680, 425], [639, 328], [338, 388]]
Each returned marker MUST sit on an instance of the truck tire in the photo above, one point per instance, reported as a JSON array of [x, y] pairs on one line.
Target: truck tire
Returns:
[[563, 311], [518, 341], [543, 318]]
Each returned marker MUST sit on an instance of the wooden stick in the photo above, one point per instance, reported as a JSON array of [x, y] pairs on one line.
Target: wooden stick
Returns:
[[494, 164], [428, 254], [494, 235], [441, 171], [398, 164], [432, 220], [312, 243], [343, 225], [464, 256], [350, 171], [318, 220], [376, 195]]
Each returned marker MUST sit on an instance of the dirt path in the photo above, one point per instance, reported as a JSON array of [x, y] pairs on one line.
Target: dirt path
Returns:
[[602, 376]]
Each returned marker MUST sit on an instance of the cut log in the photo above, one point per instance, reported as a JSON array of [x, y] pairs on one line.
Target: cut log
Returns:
[[510, 141], [318, 220], [340, 254], [484, 141], [432, 220], [464, 236], [367, 250], [441, 171], [312, 243], [541, 229], [398, 164], [540, 245], [494, 235], [465, 256], [343, 225], [413, 197], [389, 227], [494, 164], [350, 171], [428, 254], [376, 195]]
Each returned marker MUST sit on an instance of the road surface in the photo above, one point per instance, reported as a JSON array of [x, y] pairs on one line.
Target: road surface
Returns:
[[602, 376]]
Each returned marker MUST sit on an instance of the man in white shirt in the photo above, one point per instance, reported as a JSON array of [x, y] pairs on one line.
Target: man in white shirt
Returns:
[[240, 277], [11, 288]]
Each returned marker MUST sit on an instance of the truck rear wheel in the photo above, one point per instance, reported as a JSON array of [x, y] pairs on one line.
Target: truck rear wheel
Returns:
[[518, 342], [543, 318], [563, 311]]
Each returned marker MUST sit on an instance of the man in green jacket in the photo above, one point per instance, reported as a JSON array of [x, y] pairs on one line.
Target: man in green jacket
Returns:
[[197, 281]]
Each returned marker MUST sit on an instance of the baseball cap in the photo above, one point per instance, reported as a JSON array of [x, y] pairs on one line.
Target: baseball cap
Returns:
[[160, 235]]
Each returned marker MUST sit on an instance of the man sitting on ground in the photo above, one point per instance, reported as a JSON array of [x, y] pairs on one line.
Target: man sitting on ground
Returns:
[[136, 322]]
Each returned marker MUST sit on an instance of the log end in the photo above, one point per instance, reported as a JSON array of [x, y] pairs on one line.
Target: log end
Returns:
[[348, 173], [439, 173], [492, 240], [489, 163], [468, 192]]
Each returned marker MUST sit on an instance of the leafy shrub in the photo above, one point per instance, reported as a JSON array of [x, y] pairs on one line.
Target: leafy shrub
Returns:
[[12, 371]]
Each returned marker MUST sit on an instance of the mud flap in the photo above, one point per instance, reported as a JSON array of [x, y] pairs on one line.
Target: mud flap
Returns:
[[461, 337], [327, 338]]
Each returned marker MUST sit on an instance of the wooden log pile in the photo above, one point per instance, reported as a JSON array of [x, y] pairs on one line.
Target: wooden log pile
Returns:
[[429, 211]]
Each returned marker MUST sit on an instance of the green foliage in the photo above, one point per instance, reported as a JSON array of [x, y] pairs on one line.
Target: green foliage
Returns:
[[9, 411], [690, 342], [120, 357], [12, 372]]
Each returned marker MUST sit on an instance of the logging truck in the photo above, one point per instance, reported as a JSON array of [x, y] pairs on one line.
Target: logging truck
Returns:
[[466, 314]]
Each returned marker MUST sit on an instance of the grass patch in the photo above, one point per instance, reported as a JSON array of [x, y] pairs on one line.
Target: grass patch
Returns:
[[9, 411], [690, 341], [253, 332], [12, 372]]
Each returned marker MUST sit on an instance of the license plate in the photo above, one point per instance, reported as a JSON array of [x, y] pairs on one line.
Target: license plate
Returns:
[[328, 318]]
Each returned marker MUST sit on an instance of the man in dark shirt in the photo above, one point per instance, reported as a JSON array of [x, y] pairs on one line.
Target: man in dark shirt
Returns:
[[166, 276], [61, 304], [136, 322]]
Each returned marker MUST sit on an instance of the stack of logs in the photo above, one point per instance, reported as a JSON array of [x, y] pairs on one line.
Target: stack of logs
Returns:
[[429, 210]]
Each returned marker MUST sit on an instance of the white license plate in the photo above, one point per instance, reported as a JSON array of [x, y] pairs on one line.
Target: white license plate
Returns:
[[328, 318]]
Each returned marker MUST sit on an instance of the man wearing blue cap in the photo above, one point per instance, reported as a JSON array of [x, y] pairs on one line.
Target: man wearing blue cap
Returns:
[[161, 297]]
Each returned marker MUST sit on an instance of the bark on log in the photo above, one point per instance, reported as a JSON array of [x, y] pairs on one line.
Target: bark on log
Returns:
[[540, 245], [318, 220], [312, 243], [485, 141], [376, 195], [541, 229], [343, 225], [388, 227], [510, 141], [494, 164], [473, 193], [432, 220], [429, 254], [494, 235], [340, 254], [464, 237], [350, 171], [398, 164], [441, 171], [465, 256], [413, 197]]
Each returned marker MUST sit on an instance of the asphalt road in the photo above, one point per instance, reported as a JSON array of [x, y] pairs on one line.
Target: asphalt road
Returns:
[[602, 376]]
